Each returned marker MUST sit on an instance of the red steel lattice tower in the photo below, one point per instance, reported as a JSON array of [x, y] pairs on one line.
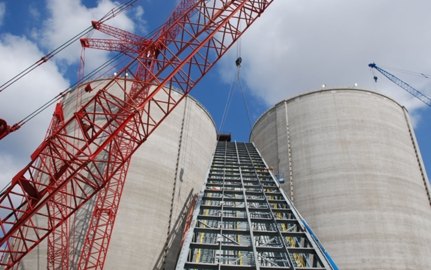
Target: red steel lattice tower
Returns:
[[108, 128]]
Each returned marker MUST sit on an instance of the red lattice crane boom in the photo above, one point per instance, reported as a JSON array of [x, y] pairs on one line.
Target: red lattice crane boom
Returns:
[[92, 253], [92, 147], [125, 42], [98, 235]]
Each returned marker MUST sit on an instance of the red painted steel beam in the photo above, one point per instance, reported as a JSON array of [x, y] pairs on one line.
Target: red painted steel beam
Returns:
[[98, 235], [112, 45], [96, 242], [58, 254], [117, 33], [77, 165]]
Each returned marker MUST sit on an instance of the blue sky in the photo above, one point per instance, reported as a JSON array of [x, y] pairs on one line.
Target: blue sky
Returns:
[[295, 47]]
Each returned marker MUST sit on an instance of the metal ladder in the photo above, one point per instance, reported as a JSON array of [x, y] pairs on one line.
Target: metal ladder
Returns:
[[243, 220]]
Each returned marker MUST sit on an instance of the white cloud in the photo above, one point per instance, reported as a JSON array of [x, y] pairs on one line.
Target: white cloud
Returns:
[[69, 17], [2, 12], [34, 13], [139, 18], [296, 46], [139, 12], [22, 98]]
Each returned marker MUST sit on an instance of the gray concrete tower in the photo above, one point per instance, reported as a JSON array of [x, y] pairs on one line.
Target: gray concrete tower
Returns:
[[164, 175], [353, 169]]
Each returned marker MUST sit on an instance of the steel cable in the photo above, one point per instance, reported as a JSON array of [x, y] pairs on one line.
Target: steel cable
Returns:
[[69, 89], [112, 13]]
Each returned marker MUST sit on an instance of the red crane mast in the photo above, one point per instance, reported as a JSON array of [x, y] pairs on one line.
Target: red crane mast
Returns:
[[93, 252], [91, 148]]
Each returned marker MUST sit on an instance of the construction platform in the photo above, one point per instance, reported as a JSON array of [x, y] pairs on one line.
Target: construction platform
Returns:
[[243, 220]]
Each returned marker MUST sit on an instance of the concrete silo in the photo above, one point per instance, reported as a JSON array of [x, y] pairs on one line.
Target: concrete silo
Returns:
[[353, 169], [164, 175]]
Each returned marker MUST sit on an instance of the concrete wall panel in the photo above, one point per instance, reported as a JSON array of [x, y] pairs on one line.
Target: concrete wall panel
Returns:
[[357, 177]]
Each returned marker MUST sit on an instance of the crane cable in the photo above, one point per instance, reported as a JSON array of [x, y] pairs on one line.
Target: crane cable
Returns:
[[64, 92], [244, 101], [227, 105], [229, 97], [112, 13], [44, 59], [375, 78], [236, 79]]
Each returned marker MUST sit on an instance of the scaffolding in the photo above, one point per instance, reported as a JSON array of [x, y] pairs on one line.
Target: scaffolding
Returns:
[[243, 220]]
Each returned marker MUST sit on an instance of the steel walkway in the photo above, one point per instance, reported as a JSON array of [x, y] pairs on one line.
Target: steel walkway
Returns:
[[243, 220]]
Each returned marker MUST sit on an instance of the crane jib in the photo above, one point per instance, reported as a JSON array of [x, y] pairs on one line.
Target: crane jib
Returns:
[[107, 130], [404, 85]]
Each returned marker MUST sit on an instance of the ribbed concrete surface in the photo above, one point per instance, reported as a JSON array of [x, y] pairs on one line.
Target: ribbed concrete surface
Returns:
[[357, 177], [179, 151]]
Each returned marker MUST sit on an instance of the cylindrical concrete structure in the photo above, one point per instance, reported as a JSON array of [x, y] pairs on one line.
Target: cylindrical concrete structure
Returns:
[[164, 175], [353, 169]]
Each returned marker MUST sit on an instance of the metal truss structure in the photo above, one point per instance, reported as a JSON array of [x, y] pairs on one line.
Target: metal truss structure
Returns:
[[94, 146], [404, 85], [243, 220]]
